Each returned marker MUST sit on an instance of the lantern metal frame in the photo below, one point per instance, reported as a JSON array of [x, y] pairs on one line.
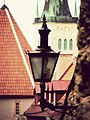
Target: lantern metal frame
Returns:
[[43, 54]]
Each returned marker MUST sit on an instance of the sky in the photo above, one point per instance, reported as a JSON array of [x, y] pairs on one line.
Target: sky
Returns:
[[24, 12]]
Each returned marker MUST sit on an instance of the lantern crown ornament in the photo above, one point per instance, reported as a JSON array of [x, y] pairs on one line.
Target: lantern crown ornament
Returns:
[[44, 32]]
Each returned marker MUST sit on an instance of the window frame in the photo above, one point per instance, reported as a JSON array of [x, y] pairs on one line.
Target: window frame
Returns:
[[65, 44], [59, 44], [70, 44], [17, 108]]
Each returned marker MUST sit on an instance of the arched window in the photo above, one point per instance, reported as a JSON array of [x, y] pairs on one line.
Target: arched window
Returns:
[[70, 44], [59, 44], [65, 44]]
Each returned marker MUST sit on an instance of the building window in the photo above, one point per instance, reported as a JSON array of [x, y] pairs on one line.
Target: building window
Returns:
[[70, 44], [65, 44], [17, 108], [59, 44]]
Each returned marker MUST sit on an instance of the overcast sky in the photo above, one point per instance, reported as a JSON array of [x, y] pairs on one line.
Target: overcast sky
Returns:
[[24, 12]]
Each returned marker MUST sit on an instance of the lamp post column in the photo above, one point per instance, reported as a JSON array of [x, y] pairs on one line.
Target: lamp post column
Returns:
[[42, 86], [44, 32]]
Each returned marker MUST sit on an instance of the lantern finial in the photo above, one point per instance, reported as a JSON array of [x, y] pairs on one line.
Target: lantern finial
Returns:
[[44, 25]]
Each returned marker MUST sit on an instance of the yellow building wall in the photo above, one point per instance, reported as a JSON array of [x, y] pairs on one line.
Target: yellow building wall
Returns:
[[60, 31]]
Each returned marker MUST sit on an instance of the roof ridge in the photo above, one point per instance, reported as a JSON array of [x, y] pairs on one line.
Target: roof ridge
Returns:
[[4, 7]]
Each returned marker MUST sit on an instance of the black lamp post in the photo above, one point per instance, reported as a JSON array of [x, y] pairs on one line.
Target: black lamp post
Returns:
[[43, 60]]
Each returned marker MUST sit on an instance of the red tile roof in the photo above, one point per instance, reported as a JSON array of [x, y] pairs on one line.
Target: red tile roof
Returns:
[[34, 111], [60, 85], [14, 77], [54, 85]]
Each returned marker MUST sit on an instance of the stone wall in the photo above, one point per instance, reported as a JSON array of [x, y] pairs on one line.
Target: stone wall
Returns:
[[82, 71]]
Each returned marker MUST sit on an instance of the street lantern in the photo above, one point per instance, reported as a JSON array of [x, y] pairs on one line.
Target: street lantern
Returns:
[[43, 64], [43, 60]]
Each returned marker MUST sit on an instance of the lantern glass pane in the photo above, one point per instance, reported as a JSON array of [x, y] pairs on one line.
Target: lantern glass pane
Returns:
[[49, 66], [36, 64]]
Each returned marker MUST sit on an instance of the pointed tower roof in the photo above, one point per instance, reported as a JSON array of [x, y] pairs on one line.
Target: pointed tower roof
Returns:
[[64, 8], [15, 75], [57, 11]]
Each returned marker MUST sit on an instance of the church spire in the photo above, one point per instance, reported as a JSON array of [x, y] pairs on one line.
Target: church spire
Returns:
[[57, 11], [64, 8], [75, 17], [52, 12], [37, 18], [37, 12], [75, 9]]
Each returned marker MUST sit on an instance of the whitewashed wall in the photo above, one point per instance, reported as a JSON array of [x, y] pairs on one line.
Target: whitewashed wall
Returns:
[[7, 108]]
